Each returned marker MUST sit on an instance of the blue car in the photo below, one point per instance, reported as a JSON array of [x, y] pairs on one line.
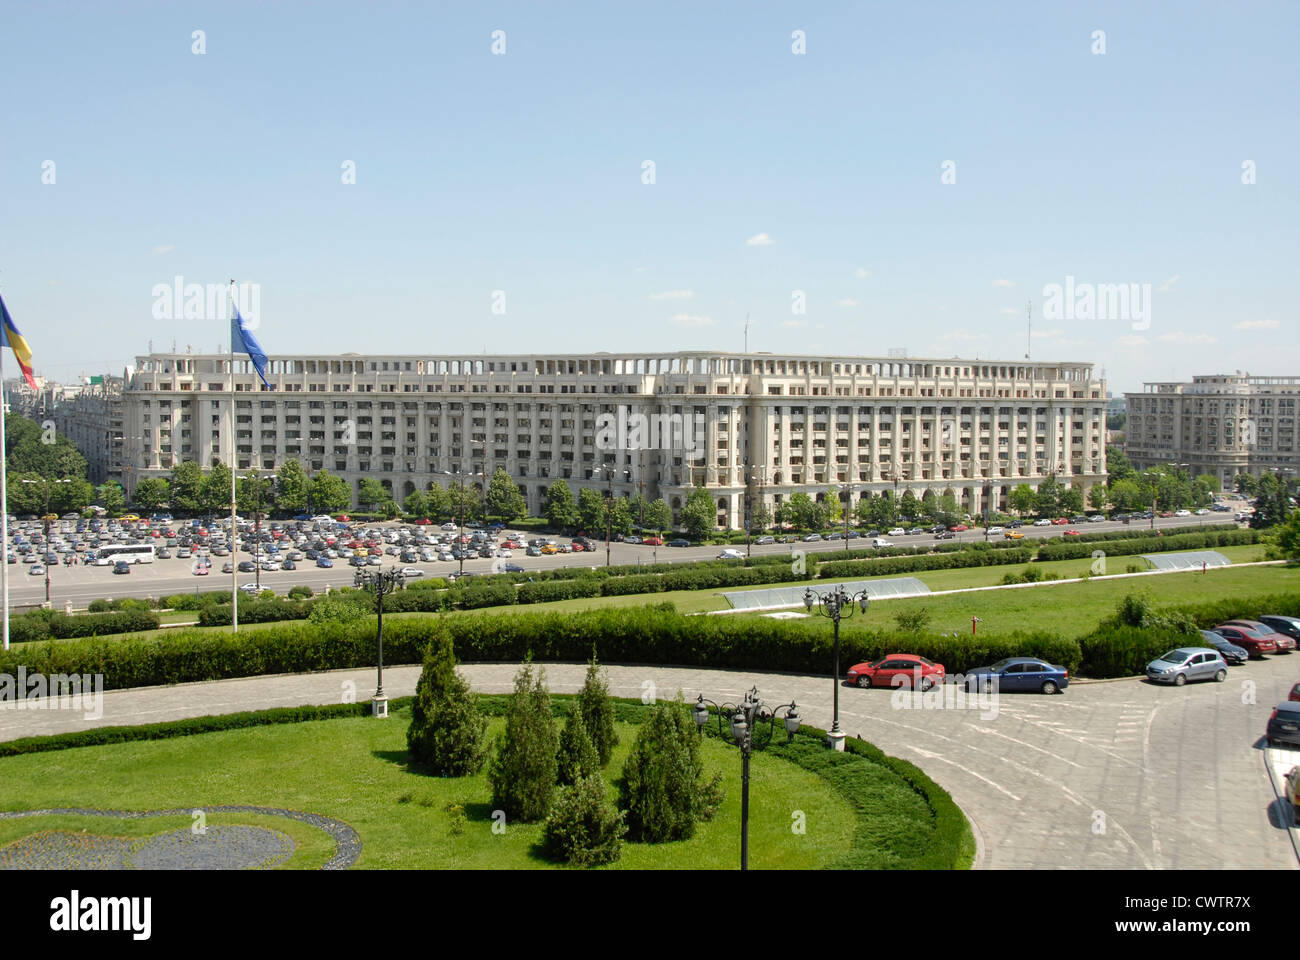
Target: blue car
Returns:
[[1019, 675], [1230, 652], [325, 562]]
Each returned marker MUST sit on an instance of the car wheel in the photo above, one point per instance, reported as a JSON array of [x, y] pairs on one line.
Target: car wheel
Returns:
[[864, 681], [1221, 676], [1180, 680], [1049, 686], [926, 684]]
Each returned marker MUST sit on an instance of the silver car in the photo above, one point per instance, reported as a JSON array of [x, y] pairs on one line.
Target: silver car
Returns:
[[1188, 663]]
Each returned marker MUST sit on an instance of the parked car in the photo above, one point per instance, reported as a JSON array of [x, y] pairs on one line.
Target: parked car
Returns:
[[512, 568], [959, 528], [730, 553], [1019, 674], [227, 568], [412, 572], [1230, 652], [1292, 788], [879, 543], [945, 535], [1257, 644], [36, 570], [121, 567], [1295, 692], [897, 670], [1187, 663], [897, 532], [1013, 535], [759, 542], [812, 538], [679, 542], [1042, 523], [993, 530], [324, 563], [1284, 724], [1283, 642], [1287, 626]]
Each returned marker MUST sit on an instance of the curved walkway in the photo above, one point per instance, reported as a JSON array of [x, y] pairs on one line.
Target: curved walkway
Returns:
[[1109, 775]]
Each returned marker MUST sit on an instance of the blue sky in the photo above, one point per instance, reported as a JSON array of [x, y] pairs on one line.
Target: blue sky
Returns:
[[523, 172]]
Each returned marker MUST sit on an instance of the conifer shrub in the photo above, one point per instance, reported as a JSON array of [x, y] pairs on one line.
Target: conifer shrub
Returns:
[[523, 771], [598, 711], [577, 757], [583, 828], [447, 735], [661, 790]]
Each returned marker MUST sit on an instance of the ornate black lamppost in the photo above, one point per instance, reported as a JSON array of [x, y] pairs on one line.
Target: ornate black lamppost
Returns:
[[379, 582], [745, 717], [836, 604]]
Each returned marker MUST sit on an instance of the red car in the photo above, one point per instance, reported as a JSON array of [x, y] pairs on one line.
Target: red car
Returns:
[[423, 522], [1060, 522], [959, 528], [1070, 533], [1256, 644], [1284, 643], [653, 541], [897, 670], [343, 518], [1295, 693]]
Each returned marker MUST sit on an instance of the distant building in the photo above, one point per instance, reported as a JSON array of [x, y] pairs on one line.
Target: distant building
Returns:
[[1221, 424], [90, 415]]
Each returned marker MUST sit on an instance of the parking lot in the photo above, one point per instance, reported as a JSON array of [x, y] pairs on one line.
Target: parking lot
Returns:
[[78, 585]]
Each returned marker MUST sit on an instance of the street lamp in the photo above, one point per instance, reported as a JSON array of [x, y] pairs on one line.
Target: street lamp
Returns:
[[836, 604], [45, 519], [460, 511], [847, 489], [257, 526], [609, 473], [379, 582], [745, 718]]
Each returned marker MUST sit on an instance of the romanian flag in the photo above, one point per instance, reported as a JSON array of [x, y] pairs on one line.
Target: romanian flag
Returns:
[[14, 340]]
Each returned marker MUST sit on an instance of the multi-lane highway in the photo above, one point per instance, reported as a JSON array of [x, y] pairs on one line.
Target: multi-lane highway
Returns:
[[80, 584]]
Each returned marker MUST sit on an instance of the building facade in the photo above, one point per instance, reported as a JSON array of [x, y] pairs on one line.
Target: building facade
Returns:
[[1221, 424], [91, 417], [750, 427]]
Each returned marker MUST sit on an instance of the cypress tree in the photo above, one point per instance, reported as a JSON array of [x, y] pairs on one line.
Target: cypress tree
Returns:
[[447, 732], [523, 771], [578, 758], [598, 711], [661, 788]]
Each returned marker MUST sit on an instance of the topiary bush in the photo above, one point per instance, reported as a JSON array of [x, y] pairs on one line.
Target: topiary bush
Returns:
[[598, 711], [447, 734], [523, 771], [577, 758], [583, 828]]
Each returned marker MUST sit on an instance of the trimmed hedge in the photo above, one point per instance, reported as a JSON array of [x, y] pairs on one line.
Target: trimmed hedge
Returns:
[[1120, 548], [933, 561]]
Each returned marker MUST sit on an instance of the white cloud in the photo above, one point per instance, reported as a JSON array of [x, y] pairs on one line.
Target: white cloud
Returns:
[[1132, 341], [689, 320], [862, 273], [1181, 337], [164, 248], [674, 295], [847, 302], [759, 240], [1256, 325], [1003, 283], [1169, 284]]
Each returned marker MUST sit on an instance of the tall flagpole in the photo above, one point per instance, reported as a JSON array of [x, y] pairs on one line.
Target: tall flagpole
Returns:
[[234, 517], [4, 499]]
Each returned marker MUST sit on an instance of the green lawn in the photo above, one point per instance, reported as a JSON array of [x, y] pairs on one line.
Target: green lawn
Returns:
[[355, 770]]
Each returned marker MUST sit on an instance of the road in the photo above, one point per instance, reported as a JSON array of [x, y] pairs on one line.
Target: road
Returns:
[[79, 585], [1107, 775]]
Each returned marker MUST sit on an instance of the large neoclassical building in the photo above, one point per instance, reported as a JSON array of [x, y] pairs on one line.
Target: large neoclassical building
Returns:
[[750, 427]]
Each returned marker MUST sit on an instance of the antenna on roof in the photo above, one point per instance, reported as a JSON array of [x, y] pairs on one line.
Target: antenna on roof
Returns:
[[1029, 327], [747, 333]]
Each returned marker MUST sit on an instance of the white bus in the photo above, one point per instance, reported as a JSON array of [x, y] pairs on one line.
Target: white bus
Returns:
[[132, 553]]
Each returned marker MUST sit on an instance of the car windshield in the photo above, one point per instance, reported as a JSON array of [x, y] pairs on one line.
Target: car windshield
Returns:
[[1173, 656], [1000, 665]]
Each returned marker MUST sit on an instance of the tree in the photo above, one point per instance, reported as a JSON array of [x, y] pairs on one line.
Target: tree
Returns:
[[1125, 495], [291, 487], [658, 516], [1287, 538], [908, 507], [503, 497], [761, 517], [1047, 502], [523, 771], [583, 828], [254, 494], [1118, 466], [187, 487], [591, 511], [371, 494], [416, 504], [598, 711], [1246, 483], [1071, 500], [151, 493], [33, 448], [700, 514], [74, 494], [447, 733], [26, 493], [330, 493], [559, 509], [437, 503], [1097, 497], [577, 758], [662, 789], [1271, 506], [111, 497], [621, 519], [214, 496]]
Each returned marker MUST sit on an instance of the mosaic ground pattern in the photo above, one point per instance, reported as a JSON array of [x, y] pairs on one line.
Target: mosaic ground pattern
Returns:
[[218, 848]]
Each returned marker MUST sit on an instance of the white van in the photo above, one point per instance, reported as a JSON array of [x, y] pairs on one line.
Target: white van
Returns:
[[880, 542]]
